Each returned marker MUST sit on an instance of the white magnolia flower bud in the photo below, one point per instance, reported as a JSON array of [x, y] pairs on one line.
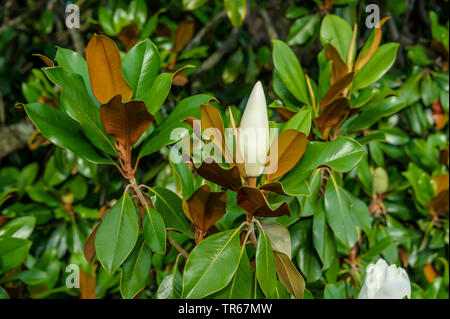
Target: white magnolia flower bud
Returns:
[[385, 282], [254, 139]]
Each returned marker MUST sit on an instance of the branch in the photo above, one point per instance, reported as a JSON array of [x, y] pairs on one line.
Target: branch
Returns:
[[204, 30], [216, 56], [177, 246], [14, 137], [273, 34]]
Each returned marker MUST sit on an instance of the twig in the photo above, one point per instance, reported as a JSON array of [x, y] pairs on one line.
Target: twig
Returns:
[[216, 56], [176, 245], [204, 30], [273, 34]]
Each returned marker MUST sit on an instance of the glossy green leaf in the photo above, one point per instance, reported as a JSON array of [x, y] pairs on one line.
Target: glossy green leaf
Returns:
[[117, 234], [342, 155], [135, 270], [240, 286], [184, 174], [300, 122], [169, 206], [217, 254], [73, 62], [154, 230], [369, 117], [303, 250], [63, 131], [377, 66], [20, 227], [161, 136], [334, 292], [79, 106], [323, 238], [193, 4], [279, 237], [140, 67], [303, 30], [13, 252], [236, 10], [344, 213], [338, 32], [290, 71], [159, 91], [265, 265]]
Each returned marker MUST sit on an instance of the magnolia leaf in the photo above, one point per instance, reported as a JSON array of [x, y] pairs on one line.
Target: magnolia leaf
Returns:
[[365, 56], [265, 265], [140, 68], [291, 145], [277, 187], [240, 286], [279, 236], [63, 131], [253, 201], [89, 246], [105, 70], [154, 230], [284, 113], [333, 113], [211, 119], [211, 264], [117, 234], [126, 122], [183, 35], [289, 275], [336, 89], [45, 59], [206, 207], [227, 178], [338, 66], [135, 270]]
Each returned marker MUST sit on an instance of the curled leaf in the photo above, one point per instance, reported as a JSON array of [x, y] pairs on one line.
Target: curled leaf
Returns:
[[206, 208], [338, 67], [183, 35], [333, 113], [252, 200], [285, 113], [211, 119], [105, 70], [291, 145], [126, 122], [227, 178], [337, 89], [365, 56]]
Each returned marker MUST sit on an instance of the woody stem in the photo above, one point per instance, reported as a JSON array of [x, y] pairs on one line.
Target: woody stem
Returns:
[[137, 190]]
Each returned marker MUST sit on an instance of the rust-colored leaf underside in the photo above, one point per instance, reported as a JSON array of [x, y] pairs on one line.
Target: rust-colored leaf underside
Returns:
[[126, 122], [291, 146], [206, 207], [252, 200], [105, 70]]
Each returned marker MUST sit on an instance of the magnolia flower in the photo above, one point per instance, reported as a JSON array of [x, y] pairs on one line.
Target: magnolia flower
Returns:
[[385, 282], [254, 132]]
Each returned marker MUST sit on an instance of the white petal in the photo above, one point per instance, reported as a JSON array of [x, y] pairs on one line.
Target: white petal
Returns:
[[254, 132]]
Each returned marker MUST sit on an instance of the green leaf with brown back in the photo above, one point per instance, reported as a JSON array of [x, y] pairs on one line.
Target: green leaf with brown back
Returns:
[[126, 122], [291, 145], [253, 201]]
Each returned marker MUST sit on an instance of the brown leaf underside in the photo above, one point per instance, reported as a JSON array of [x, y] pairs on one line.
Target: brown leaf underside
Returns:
[[105, 70], [252, 200], [227, 178], [126, 122]]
